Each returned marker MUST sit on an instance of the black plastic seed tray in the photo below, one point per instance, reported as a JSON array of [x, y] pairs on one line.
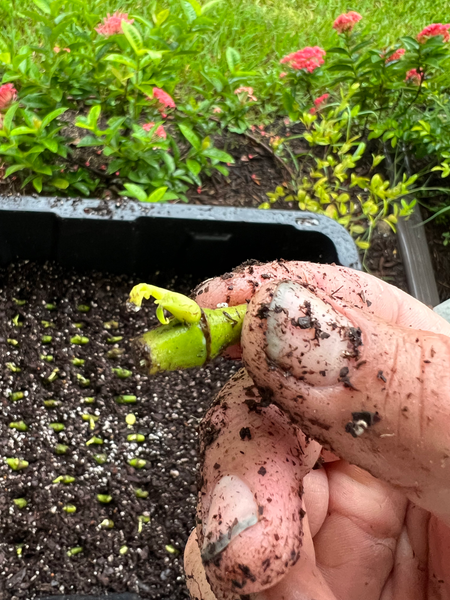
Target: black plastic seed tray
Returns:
[[126, 237], [129, 237]]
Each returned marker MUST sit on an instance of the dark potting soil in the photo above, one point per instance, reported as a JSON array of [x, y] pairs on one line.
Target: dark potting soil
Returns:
[[142, 553]]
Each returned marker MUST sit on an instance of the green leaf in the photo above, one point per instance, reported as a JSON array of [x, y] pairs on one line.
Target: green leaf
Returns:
[[196, 6], [216, 154], [45, 170], [222, 170], [208, 5], [94, 115], [52, 145], [7, 121], [191, 137], [22, 130], [338, 50], [89, 140], [133, 36], [135, 191], [233, 58], [157, 195], [161, 17], [123, 60], [61, 184], [44, 6], [13, 169], [189, 11], [37, 184], [52, 116], [193, 166]]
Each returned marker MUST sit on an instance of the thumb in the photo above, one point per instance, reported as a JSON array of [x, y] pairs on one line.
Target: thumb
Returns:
[[376, 394]]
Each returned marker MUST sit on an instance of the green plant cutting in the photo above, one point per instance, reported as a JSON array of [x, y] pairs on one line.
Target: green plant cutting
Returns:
[[188, 335]]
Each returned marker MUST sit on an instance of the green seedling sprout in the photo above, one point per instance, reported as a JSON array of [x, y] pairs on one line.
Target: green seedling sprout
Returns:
[[61, 448], [136, 437], [83, 308], [126, 399], [79, 340], [20, 502], [53, 375], [19, 425], [94, 440], [130, 419], [123, 550], [65, 479], [111, 325], [141, 520], [89, 400], [115, 353], [137, 463], [19, 549], [140, 493], [100, 458], [19, 302], [79, 325], [191, 337], [16, 464], [78, 362], [114, 339], [83, 381], [50, 306], [14, 396], [51, 403], [57, 427], [16, 321], [74, 551], [12, 342], [171, 550], [47, 324], [104, 498], [70, 509], [107, 524], [122, 373], [13, 367], [46, 339], [47, 357], [92, 419]]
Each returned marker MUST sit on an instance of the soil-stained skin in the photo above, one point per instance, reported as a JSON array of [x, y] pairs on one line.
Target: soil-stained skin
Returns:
[[34, 540]]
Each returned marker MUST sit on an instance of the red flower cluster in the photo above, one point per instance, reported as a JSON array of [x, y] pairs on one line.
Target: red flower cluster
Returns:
[[396, 55], [248, 91], [414, 76], [318, 103], [112, 24], [8, 94], [346, 22], [433, 30], [163, 97], [160, 132], [310, 58]]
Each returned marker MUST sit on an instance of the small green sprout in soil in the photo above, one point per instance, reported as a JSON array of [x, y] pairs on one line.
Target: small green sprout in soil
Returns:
[[51, 403], [79, 325], [137, 463], [14, 396], [12, 342], [47, 324], [16, 464], [61, 448], [83, 381], [89, 400], [107, 524], [104, 498], [50, 306], [115, 353], [19, 425], [123, 550], [135, 437], [20, 502], [19, 549], [115, 339], [141, 493], [77, 362], [46, 357], [74, 551], [69, 509], [100, 458], [65, 479], [83, 308], [46, 339], [92, 419], [12, 367], [142, 519], [57, 427], [19, 302], [126, 399], [191, 337], [130, 419], [53, 375], [122, 373], [171, 550], [94, 440], [111, 325], [80, 340], [16, 321]]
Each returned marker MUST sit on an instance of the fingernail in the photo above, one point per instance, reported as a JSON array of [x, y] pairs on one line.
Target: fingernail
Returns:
[[308, 338], [233, 510]]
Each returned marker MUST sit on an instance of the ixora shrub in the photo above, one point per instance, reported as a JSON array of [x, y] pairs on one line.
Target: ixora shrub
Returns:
[[111, 76], [366, 104]]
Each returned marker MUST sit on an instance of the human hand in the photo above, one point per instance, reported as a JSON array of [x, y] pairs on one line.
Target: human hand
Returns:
[[320, 343]]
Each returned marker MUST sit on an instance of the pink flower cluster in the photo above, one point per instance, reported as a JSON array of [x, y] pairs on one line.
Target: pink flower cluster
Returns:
[[433, 30], [8, 94], [319, 103], [345, 22], [248, 91], [396, 55], [160, 131], [57, 49], [309, 58], [163, 98], [112, 24], [414, 76]]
